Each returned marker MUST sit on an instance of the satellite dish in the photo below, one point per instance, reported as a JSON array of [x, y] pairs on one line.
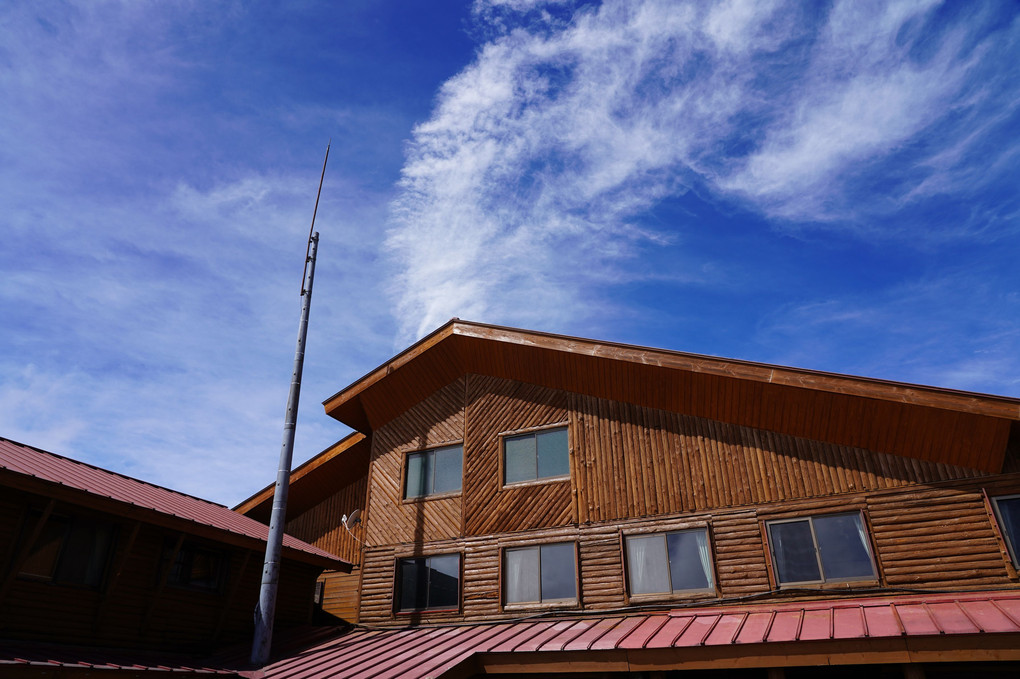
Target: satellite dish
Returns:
[[353, 520]]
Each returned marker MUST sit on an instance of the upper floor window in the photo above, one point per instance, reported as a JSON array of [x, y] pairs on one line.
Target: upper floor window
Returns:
[[1007, 510], [428, 582], [69, 551], [536, 455], [540, 574], [669, 562], [196, 567], [430, 472], [821, 549]]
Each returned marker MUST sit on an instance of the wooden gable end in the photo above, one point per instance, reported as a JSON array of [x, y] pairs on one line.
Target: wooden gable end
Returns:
[[924, 423]]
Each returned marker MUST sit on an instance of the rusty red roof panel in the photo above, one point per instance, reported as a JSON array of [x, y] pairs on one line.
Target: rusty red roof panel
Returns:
[[32, 462], [425, 652]]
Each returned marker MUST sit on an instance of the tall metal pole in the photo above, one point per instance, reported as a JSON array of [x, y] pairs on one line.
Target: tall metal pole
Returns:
[[266, 609]]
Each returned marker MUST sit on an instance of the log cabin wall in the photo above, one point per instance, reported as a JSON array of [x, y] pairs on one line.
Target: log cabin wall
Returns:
[[938, 536], [436, 421], [321, 525], [132, 608], [637, 468]]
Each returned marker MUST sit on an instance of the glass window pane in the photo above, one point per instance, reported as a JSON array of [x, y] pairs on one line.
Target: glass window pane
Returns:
[[413, 584], [83, 559], [1009, 515], [417, 468], [42, 559], [553, 459], [444, 581], [794, 550], [842, 545], [558, 572], [448, 469], [521, 575], [647, 568], [519, 459], [689, 561]]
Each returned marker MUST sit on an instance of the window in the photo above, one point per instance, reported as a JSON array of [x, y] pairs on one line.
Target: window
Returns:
[[71, 551], [196, 567], [669, 562], [536, 455], [540, 574], [430, 472], [1007, 510], [820, 549], [428, 582]]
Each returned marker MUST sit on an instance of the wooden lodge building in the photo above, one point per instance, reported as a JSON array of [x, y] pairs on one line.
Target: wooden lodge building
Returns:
[[540, 504]]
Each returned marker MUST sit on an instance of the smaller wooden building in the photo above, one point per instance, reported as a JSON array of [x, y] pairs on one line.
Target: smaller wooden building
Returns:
[[93, 558]]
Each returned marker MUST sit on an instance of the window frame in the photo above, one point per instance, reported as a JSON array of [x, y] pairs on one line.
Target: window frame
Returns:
[[398, 592], [824, 581], [571, 602], [406, 462], [700, 593], [1013, 550], [185, 555], [505, 436], [68, 526]]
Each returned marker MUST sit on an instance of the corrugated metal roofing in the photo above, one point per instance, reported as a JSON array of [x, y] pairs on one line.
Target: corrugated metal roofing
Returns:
[[49, 657], [33, 462], [431, 651]]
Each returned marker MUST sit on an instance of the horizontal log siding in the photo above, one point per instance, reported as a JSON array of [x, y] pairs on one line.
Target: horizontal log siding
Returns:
[[321, 525], [934, 537], [437, 420], [495, 406], [340, 594], [631, 461]]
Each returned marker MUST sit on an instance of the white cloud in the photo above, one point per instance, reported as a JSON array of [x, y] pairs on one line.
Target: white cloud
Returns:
[[561, 136]]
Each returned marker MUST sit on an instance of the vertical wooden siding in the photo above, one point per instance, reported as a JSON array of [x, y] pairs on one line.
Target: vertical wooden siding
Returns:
[[631, 461], [321, 525], [437, 420]]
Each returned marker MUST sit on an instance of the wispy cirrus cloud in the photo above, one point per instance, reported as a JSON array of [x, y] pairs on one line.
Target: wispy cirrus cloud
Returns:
[[530, 182]]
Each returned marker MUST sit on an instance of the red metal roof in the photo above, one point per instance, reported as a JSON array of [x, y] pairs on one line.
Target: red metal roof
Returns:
[[39, 464], [50, 657], [431, 651]]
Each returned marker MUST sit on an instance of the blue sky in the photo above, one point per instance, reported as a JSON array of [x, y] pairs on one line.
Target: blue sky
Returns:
[[825, 185]]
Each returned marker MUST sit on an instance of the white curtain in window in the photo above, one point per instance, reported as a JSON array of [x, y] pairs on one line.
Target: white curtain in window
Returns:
[[861, 533], [647, 564], [706, 561], [522, 575]]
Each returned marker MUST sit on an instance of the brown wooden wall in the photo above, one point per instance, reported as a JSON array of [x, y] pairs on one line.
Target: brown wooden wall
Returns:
[[934, 537], [626, 462], [321, 525], [341, 595], [133, 610]]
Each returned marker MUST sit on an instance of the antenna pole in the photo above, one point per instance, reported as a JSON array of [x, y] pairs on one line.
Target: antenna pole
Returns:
[[266, 608]]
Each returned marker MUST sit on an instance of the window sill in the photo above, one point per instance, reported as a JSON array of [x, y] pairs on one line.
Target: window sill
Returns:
[[537, 482], [435, 496], [541, 606], [426, 611], [842, 584], [672, 597]]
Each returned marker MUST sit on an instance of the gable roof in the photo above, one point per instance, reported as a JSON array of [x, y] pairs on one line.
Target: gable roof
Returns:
[[941, 425], [38, 471], [314, 480], [944, 627]]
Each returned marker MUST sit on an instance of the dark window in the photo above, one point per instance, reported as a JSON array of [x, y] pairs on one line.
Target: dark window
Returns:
[[537, 455], [434, 471], [1007, 509], [428, 582], [669, 562], [197, 567], [69, 551], [540, 574], [818, 549]]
